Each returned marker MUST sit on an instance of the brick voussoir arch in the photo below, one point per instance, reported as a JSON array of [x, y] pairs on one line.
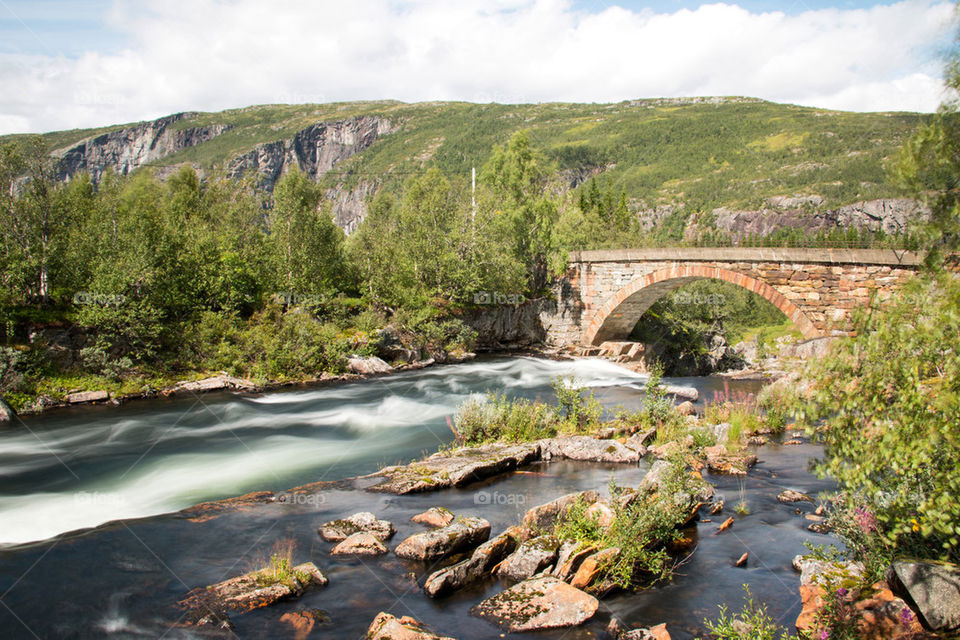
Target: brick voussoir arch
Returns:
[[685, 273]]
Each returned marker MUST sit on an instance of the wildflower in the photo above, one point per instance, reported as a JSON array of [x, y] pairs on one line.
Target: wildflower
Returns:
[[865, 520], [824, 634], [906, 617], [841, 592]]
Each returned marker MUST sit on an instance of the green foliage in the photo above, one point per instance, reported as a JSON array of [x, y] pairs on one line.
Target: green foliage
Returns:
[[889, 402], [643, 525], [494, 417], [751, 623], [577, 411], [657, 409]]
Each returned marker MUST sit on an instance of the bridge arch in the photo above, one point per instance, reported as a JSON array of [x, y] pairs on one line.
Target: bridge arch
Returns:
[[621, 311]]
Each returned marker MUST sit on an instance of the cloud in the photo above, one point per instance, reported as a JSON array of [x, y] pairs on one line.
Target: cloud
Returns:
[[216, 54]]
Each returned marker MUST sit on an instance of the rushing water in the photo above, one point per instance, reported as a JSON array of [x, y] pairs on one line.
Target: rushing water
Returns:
[[83, 467]]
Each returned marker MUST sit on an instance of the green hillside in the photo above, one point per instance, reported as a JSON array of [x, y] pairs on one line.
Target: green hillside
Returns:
[[703, 152]]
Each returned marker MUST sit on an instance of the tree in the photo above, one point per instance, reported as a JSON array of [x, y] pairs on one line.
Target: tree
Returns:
[[929, 165], [517, 178]]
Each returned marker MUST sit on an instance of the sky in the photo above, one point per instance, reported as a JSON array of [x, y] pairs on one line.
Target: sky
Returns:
[[67, 65]]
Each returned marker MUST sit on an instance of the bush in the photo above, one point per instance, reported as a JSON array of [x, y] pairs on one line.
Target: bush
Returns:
[[888, 405], [577, 411], [752, 623], [493, 417]]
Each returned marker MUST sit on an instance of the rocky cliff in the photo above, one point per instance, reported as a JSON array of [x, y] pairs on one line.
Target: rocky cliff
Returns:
[[315, 150], [130, 148], [891, 215]]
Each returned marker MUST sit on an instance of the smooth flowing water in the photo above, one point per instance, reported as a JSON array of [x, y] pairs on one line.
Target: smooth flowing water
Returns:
[[80, 468]]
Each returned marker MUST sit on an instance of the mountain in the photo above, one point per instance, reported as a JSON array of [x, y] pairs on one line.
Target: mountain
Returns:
[[689, 164]]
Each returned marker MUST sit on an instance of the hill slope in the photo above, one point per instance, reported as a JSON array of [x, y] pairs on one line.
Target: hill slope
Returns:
[[673, 157]]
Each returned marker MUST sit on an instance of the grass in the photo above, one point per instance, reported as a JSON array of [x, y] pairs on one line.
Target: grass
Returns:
[[751, 623], [279, 569]]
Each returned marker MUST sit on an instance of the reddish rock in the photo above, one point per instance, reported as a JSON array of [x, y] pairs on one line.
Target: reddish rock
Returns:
[[539, 603], [789, 496], [388, 627], [360, 544], [593, 566], [542, 517], [726, 525], [434, 517]]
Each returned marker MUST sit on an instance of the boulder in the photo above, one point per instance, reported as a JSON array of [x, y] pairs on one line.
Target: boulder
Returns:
[[720, 460], [592, 449], [360, 544], [210, 606], [367, 366], [686, 409], [569, 558], [388, 627], [619, 631], [542, 517], [602, 514], [815, 573], [687, 393], [363, 522], [593, 566], [483, 559], [530, 558], [82, 397], [455, 468], [788, 496], [460, 535], [434, 517], [6, 413], [934, 589], [539, 603]]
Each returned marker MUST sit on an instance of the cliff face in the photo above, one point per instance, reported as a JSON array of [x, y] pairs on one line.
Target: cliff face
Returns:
[[126, 150], [891, 215], [315, 150]]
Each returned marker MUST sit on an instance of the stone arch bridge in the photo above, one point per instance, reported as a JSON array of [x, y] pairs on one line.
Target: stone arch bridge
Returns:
[[604, 293]]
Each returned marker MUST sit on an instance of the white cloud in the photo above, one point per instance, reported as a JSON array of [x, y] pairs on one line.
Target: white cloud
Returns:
[[216, 54]]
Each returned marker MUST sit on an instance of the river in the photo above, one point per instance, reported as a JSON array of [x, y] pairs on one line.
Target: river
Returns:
[[81, 468]]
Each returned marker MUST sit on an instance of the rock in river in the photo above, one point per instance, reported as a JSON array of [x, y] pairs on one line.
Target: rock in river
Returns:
[[539, 603], [543, 517], [460, 535], [363, 522], [360, 544], [388, 627], [530, 558], [434, 517], [591, 449], [482, 561], [456, 468]]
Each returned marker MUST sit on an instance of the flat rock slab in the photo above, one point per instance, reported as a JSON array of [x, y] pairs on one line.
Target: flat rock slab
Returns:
[[530, 558], [455, 469], [211, 605], [360, 544], [481, 562], [87, 396], [388, 627], [363, 522], [216, 383], [539, 603], [460, 535], [590, 449]]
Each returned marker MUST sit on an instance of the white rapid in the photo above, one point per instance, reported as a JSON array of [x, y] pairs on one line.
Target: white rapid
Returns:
[[82, 467]]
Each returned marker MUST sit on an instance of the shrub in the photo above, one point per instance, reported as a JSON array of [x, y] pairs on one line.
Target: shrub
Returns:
[[493, 417], [576, 408], [752, 623], [888, 405]]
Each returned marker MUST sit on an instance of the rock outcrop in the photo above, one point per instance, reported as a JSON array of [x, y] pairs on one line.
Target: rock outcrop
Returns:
[[530, 558], [934, 589], [539, 603], [314, 150], [434, 517], [125, 150], [589, 449], [359, 544], [483, 559]]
